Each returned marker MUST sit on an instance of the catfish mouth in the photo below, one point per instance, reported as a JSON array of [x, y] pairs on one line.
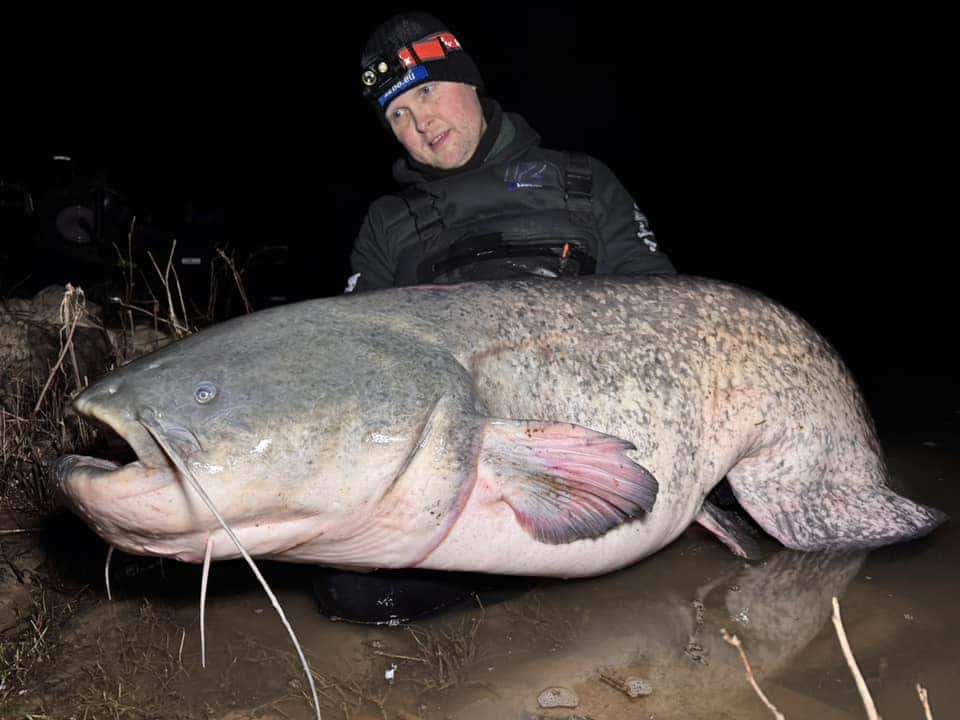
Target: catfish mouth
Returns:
[[124, 433], [139, 507], [75, 476], [137, 456]]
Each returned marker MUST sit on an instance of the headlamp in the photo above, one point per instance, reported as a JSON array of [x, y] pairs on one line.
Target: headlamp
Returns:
[[389, 76]]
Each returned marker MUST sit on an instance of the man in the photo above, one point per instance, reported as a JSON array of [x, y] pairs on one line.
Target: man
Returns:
[[482, 199]]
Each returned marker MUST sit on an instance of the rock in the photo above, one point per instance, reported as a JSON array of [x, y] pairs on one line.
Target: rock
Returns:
[[637, 687], [558, 697]]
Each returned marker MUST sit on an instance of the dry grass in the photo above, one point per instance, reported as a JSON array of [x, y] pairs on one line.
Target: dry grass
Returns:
[[445, 654], [356, 689], [34, 427], [27, 649], [103, 671], [427, 660], [135, 675], [168, 315], [121, 677], [29, 645]]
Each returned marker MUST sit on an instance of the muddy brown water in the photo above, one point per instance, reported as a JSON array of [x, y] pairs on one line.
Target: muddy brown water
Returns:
[[659, 620]]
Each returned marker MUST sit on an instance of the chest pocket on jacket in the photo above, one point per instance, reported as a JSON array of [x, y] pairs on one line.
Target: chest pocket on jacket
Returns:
[[535, 221]]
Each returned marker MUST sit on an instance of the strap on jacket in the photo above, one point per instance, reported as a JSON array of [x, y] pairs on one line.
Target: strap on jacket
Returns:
[[578, 186]]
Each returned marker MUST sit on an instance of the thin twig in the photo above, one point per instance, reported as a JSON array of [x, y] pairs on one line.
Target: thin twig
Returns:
[[67, 345], [171, 308], [153, 315], [179, 330], [183, 305], [20, 530], [70, 314], [735, 641], [399, 657], [848, 654], [236, 278], [922, 693], [133, 223]]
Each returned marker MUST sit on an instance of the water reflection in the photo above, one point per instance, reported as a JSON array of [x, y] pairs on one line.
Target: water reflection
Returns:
[[651, 622]]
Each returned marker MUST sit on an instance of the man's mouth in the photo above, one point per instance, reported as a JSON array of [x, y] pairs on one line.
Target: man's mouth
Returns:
[[439, 139]]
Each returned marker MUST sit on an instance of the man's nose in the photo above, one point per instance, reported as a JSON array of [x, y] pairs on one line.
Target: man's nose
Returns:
[[423, 118]]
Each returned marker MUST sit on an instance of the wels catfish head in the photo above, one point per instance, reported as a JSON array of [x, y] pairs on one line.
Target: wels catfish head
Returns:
[[301, 429]]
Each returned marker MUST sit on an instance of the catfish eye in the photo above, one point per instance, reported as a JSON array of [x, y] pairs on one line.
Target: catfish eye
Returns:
[[205, 392]]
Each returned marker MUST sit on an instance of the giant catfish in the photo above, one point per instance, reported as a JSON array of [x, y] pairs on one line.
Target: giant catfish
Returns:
[[535, 427]]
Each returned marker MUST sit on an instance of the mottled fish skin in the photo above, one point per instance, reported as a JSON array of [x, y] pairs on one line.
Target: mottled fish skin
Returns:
[[375, 408]]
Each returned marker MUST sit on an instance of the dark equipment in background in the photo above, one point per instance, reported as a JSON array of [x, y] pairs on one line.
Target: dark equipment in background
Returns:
[[69, 224]]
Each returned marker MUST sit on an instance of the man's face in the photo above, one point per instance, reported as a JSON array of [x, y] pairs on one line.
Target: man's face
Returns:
[[439, 123]]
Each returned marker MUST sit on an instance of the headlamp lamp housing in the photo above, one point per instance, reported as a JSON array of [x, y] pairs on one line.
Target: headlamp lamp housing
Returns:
[[437, 56]]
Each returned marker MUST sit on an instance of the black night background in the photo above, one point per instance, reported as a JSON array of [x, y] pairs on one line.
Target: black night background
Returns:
[[803, 155], [800, 154]]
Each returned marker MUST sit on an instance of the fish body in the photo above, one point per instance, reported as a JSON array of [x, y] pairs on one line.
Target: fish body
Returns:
[[534, 427]]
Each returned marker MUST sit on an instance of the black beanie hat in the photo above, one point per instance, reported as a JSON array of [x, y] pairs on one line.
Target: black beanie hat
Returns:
[[408, 50]]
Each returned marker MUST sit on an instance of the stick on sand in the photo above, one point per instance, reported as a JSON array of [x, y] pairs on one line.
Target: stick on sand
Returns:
[[851, 661]]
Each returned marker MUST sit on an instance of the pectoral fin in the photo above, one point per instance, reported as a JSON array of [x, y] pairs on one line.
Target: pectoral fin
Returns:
[[565, 482]]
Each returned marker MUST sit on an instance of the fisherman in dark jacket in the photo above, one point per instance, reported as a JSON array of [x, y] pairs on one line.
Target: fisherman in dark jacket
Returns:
[[482, 199]]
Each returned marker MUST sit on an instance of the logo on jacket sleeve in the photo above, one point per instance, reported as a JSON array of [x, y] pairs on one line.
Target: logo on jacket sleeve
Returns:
[[525, 174]]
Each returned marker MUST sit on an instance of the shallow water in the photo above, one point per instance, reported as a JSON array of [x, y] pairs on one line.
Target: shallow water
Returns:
[[659, 620]]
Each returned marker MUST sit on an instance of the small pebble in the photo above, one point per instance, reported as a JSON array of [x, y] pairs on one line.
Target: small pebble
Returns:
[[558, 697], [636, 687]]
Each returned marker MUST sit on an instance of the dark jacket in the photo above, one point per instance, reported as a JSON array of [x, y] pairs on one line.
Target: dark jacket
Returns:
[[515, 209]]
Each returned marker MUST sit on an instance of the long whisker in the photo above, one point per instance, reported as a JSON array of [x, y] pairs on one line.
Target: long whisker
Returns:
[[203, 601], [106, 571], [152, 427]]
